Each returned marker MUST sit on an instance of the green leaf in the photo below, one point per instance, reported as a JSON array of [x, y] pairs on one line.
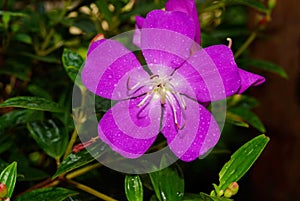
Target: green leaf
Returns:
[[133, 188], [46, 58], [47, 194], [263, 65], [28, 173], [75, 160], [251, 3], [242, 100], [38, 91], [103, 8], [241, 161], [168, 183], [72, 63], [15, 117], [249, 117], [24, 38], [235, 120], [50, 135], [15, 14], [34, 103], [8, 176]]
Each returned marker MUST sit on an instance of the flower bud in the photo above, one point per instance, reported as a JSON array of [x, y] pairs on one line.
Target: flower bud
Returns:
[[272, 4], [231, 190], [228, 193], [3, 190], [220, 193]]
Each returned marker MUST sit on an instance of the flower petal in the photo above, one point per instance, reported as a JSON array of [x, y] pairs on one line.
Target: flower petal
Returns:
[[167, 37], [188, 7], [212, 74], [249, 79], [130, 130], [199, 134], [108, 67], [137, 32]]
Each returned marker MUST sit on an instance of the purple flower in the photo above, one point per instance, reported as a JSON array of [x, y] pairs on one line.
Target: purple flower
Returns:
[[172, 98]]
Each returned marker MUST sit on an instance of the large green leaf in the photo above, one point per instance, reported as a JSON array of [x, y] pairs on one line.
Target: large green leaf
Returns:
[[34, 103], [241, 161], [47, 194], [50, 135], [133, 188], [263, 65], [75, 160], [72, 62], [8, 177], [168, 183]]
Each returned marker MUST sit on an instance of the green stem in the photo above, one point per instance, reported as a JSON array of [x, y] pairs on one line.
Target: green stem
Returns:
[[47, 39], [249, 40], [71, 143], [90, 190], [81, 171]]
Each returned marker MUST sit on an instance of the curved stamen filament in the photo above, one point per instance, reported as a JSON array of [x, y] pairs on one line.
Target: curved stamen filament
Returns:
[[229, 42], [182, 101], [148, 95], [173, 101], [133, 87]]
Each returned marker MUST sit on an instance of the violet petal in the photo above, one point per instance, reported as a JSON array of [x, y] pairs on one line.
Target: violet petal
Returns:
[[137, 32], [212, 74], [200, 132], [249, 79], [188, 7], [167, 37], [129, 131], [107, 69]]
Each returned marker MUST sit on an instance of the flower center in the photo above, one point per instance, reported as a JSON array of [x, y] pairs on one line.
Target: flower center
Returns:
[[162, 88]]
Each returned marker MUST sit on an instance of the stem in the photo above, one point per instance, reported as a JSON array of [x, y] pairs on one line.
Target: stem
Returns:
[[249, 40], [71, 143], [81, 171], [57, 160], [90, 190], [47, 39]]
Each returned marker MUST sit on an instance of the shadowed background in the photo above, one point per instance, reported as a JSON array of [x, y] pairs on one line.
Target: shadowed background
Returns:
[[276, 174]]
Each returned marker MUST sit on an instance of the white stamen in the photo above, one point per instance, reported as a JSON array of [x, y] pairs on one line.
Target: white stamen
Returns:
[[182, 101], [144, 100]]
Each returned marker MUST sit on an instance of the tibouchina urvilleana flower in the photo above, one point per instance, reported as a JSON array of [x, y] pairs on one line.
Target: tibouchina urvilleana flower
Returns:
[[169, 95]]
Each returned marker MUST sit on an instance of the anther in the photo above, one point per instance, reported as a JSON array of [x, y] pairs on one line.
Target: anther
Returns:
[[229, 42], [153, 76]]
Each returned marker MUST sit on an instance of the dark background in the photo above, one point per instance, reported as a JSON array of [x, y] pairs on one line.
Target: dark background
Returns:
[[276, 175]]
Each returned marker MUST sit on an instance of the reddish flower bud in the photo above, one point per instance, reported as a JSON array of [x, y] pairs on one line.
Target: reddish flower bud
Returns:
[[3, 190], [77, 148], [231, 190], [97, 37]]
